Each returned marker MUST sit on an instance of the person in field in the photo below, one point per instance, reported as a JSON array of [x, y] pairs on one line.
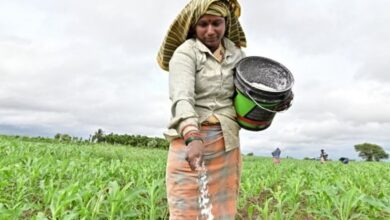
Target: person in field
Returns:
[[200, 51], [276, 156], [344, 160], [323, 156]]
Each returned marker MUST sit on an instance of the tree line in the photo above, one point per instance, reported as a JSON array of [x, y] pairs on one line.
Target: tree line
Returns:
[[100, 137], [367, 151], [125, 139]]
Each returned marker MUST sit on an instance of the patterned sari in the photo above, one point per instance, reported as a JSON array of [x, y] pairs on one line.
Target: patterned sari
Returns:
[[222, 175]]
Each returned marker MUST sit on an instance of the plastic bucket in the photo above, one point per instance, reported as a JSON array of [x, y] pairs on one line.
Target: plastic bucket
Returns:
[[263, 88]]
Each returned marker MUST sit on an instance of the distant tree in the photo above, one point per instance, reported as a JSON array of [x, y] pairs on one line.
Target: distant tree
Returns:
[[57, 136], [77, 139], [152, 143], [371, 152], [98, 136], [309, 158], [66, 138], [62, 137], [250, 154]]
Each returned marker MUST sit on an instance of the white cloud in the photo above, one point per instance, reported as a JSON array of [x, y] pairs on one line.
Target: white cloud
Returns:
[[77, 66]]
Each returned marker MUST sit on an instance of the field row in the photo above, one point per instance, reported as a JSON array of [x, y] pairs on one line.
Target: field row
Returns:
[[65, 181]]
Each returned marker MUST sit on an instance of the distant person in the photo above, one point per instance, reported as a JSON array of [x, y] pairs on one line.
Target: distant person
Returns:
[[276, 156], [323, 156], [344, 160]]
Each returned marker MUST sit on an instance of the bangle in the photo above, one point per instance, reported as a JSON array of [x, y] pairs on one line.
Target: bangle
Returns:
[[192, 134], [189, 130], [193, 138]]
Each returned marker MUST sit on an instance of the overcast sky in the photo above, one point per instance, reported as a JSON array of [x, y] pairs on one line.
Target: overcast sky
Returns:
[[76, 66]]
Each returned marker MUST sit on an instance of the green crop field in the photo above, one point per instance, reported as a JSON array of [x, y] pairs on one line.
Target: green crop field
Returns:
[[40, 180]]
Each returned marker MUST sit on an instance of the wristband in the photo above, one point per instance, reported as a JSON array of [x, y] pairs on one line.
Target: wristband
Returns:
[[193, 138]]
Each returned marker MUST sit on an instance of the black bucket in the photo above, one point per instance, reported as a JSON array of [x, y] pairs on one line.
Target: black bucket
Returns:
[[263, 89]]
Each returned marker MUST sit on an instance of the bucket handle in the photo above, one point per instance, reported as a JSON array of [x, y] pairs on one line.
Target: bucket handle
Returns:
[[268, 110]]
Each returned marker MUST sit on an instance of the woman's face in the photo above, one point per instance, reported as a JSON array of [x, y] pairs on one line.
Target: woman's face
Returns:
[[210, 30]]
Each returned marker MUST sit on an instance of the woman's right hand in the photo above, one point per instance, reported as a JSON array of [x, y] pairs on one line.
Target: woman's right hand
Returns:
[[194, 154]]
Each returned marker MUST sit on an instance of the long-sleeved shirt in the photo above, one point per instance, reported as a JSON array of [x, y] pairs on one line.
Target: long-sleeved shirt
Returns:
[[200, 86], [276, 153]]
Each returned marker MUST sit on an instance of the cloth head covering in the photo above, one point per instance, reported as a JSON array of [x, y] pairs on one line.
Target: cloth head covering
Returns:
[[218, 9], [180, 29]]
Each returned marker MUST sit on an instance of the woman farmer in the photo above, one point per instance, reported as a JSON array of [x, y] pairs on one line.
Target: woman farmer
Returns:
[[200, 51]]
